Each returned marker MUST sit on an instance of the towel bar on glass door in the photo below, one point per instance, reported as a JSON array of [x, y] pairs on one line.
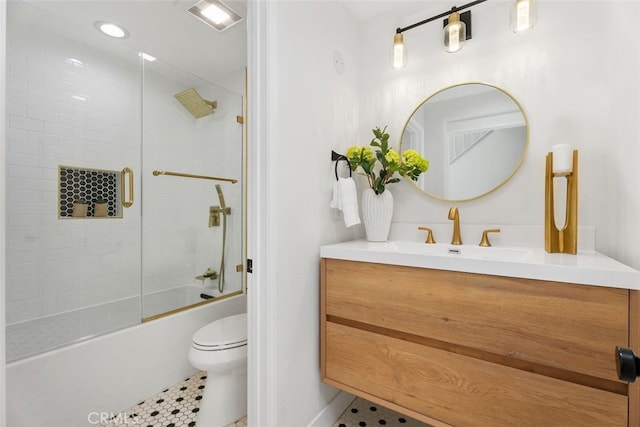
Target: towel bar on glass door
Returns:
[[337, 158], [188, 175]]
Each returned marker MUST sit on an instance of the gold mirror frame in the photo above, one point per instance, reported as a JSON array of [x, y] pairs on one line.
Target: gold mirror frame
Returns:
[[510, 175]]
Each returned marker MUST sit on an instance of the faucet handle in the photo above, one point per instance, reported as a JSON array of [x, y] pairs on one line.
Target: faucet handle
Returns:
[[485, 236], [430, 238]]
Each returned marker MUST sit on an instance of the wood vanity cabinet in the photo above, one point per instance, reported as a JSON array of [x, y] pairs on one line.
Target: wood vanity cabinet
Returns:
[[463, 349]]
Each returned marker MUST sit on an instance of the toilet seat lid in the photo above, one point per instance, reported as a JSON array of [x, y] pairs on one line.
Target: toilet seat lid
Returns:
[[225, 333]]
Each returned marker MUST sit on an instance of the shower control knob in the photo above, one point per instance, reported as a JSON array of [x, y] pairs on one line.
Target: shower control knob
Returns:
[[627, 364]]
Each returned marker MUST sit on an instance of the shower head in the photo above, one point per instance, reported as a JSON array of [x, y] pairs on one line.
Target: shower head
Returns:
[[223, 205], [195, 104]]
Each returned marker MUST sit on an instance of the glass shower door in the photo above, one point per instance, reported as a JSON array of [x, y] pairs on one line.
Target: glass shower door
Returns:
[[74, 124], [192, 191], [96, 241]]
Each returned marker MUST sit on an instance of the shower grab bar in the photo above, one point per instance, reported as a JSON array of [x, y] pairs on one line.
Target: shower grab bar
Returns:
[[127, 203], [188, 175]]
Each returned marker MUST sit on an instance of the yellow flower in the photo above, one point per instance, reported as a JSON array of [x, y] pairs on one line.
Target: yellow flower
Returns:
[[392, 156], [413, 159], [357, 154], [381, 165]]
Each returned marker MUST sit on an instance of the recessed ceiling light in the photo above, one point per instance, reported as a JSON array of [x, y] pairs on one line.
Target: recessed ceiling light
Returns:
[[147, 57], [112, 29], [215, 13]]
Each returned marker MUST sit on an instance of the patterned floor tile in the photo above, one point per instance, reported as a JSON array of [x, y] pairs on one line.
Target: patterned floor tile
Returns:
[[177, 406], [362, 413]]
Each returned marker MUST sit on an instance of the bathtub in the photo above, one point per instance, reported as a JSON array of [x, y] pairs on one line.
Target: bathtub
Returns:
[[108, 373], [167, 300], [36, 336]]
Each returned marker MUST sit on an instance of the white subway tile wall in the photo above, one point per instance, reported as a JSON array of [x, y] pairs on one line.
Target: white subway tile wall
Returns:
[[89, 115], [56, 266], [176, 215]]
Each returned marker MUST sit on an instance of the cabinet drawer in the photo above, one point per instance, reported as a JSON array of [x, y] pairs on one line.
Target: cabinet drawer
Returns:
[[565, 326], [459, 390]]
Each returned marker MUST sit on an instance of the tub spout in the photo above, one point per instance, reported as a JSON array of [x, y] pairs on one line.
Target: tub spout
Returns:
[[209, 274]]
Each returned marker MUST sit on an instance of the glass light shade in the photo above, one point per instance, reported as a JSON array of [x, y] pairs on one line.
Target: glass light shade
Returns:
[[455, 33], [523, 15], [399, 52]]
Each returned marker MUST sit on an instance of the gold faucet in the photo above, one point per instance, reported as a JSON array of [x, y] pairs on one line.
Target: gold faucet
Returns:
[[484, 242], [453, 214], [430, 239]]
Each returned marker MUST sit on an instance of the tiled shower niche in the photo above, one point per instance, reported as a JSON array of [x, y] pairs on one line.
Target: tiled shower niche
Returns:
[[89, 185]]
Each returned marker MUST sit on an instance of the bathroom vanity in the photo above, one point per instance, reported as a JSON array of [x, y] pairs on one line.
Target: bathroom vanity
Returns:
[[501, 337]]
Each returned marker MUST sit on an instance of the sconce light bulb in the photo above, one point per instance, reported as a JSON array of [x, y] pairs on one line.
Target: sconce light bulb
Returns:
[[454, 39], [455, 33], [523, 15], [399, 55]]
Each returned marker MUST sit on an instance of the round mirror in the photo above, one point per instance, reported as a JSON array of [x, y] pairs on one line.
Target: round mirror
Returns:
[[475, 137]]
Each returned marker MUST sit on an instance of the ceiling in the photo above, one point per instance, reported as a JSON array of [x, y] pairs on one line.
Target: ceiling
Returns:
[[162, 28]]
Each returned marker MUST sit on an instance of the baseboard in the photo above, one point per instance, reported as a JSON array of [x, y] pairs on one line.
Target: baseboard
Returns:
[[333, 410]]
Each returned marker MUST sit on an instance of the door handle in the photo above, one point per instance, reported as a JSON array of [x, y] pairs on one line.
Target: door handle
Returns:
[[627, 364], [127, 203]]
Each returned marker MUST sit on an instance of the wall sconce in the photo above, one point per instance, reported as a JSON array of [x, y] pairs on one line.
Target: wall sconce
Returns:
[[561, 163], [399, 56], [455, 32], [457, 28]]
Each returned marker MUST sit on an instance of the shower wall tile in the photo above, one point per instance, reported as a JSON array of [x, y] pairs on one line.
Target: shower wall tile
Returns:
[[18, 122], [58, 266], [54, 266], [178, 243]]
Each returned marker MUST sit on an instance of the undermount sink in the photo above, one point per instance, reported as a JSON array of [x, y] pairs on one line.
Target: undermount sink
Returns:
[[587, 267], [460, 251]]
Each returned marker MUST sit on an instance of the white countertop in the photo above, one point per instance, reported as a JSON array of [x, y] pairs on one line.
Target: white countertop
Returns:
[[586, 267]]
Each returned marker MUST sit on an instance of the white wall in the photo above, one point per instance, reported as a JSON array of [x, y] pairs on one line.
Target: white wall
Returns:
[[577, 83], [310, 109], [3, 411]]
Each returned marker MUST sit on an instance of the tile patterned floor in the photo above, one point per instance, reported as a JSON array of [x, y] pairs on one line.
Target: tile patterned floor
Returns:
[[362, 413], [176, 406]]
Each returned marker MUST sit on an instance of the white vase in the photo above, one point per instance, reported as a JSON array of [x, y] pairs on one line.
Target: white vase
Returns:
[[377, 210]]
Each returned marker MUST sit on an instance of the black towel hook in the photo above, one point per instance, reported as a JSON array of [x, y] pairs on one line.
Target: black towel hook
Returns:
[[337, 158]]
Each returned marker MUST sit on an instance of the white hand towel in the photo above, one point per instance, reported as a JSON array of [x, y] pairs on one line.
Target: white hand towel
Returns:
[[335, 200], [348, 201]]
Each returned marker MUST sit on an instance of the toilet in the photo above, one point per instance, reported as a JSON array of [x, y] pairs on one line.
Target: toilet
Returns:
[[220, 349]]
